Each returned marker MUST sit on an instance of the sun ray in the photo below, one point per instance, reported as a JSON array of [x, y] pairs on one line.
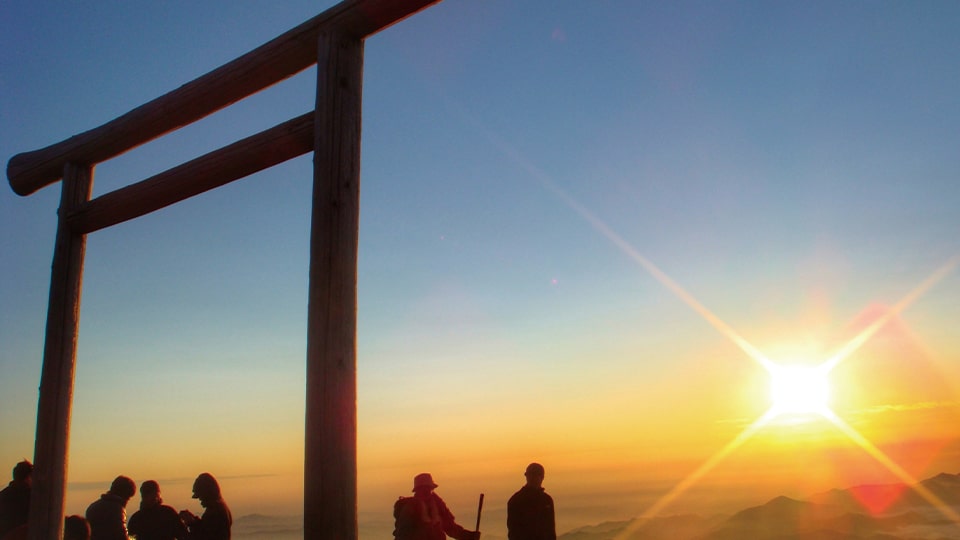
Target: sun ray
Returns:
[[600, 226], [740, 342], [904, 302], [696, 475], [667, 281], [893, 467]]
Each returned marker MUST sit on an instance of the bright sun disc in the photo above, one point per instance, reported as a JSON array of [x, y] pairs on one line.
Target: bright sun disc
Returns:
[[799, 389]]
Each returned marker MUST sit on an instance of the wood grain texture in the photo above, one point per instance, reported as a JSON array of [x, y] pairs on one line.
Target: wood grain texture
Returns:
[[59, 364]]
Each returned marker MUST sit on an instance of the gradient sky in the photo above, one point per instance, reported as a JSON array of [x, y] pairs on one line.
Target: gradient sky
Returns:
[[543, 183]]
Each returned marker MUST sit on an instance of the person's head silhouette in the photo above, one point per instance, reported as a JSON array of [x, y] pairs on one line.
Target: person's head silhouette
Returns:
[[23, 472], [206, 488], [150, 492], [123, 487], [76, 528], [534, 474]]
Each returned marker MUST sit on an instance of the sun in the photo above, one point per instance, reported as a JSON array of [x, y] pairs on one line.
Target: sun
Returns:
[[799, 389]]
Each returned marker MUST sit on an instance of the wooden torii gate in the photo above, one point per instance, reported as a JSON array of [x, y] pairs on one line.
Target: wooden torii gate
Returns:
[[334, 41]]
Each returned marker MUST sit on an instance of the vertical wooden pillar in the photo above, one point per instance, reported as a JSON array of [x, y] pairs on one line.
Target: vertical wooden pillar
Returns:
[[59, 362], [330, 461]]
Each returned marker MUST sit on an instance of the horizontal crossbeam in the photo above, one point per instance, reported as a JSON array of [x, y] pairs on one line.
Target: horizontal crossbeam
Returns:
[[272, 62], [255, 153]]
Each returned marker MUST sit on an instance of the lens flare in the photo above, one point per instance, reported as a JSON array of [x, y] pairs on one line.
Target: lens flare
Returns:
[[792, 391], [799, 390]]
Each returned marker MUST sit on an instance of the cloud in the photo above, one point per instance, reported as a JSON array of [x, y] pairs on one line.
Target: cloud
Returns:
[[739, 422], [905, 407]]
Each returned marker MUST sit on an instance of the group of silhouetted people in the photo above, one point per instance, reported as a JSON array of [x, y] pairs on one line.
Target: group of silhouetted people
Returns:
[[424, 516], [106, 518], [155, 520]]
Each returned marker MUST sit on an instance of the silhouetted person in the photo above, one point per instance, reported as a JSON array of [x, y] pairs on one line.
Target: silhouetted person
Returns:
[[530, 514], [425, 516], [76, 528], [15, 499], [108, 516], [155, 520], [216, 520]]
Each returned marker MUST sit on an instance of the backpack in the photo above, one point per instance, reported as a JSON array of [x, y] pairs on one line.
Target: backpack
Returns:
[[403, 510]]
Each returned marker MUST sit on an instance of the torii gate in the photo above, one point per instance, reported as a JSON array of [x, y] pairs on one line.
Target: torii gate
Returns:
[[334, 41]]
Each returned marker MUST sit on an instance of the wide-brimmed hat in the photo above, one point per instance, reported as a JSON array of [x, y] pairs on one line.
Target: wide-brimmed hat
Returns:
[[423, 480]]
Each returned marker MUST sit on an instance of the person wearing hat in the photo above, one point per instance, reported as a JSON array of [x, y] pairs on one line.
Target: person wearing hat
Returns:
[[216, 521], [15, 498], [425, 516], [530, 514], [108, 516], [155, 520]]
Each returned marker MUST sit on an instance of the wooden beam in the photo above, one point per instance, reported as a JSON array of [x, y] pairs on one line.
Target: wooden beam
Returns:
[[264, 66], [330, 453], [255, 153], [59, 364]]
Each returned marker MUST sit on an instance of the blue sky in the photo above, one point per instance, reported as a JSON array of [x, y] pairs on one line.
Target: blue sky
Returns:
[[789, 164]]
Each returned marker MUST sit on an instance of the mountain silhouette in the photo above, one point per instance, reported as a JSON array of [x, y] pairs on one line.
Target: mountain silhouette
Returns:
[[661, 528], [776, 517], [876, 499], [865, 512]]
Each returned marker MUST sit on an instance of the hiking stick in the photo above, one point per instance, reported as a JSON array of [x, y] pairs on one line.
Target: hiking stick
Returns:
[[479, 509]]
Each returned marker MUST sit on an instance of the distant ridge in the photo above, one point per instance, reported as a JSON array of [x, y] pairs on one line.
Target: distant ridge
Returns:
[[784, 508], [776, 517], [853, 513], [865, 512], [885, 498]]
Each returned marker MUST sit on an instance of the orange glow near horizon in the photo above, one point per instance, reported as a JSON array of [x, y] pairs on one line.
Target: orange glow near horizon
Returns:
[[812, 397], [794, 389], [788, 398], [893, 467], [696, 475]]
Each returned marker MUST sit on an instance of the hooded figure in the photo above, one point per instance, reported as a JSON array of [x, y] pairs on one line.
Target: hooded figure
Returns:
[[155, 520], [108, 516], [216, 520]]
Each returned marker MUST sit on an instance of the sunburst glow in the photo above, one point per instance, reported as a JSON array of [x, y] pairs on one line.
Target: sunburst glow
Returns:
[[799, 390], [794, 390]]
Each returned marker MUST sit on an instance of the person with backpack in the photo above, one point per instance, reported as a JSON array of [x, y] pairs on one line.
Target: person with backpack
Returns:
[[425, 516]]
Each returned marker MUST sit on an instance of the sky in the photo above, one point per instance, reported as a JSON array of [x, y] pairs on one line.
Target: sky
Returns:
[[586, 228]]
